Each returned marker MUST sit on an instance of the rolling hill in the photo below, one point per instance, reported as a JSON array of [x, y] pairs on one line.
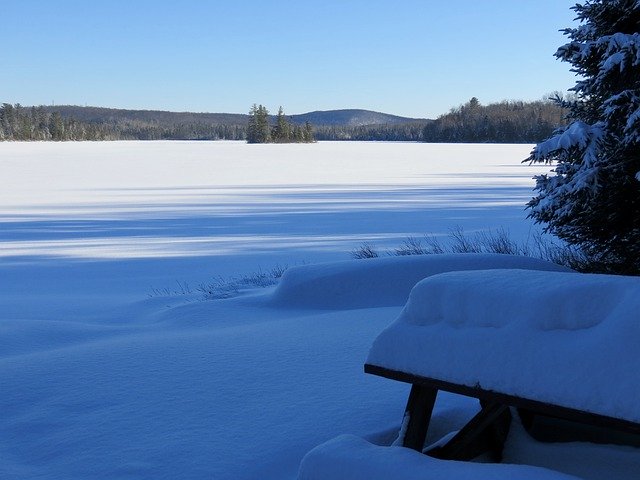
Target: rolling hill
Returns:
[[350, 117]]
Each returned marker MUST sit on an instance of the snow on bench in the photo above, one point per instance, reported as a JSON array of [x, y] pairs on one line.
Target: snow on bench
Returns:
[[557, 343]]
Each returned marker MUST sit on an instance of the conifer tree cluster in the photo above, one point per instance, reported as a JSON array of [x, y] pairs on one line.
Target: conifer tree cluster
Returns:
[[502, 122], [384, 132], [508, 121], [259, 129], [44, 123], [20, 123], [593, 198]]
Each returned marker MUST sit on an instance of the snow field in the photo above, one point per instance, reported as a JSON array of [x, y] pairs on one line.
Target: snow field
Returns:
[[99, 381]]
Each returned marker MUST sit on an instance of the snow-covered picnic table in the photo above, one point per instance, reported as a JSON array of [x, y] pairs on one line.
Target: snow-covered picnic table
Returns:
[[562, 338], [555, 343]]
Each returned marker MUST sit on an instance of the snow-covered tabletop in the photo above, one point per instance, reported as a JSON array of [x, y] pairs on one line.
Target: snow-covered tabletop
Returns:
[[564, 338]]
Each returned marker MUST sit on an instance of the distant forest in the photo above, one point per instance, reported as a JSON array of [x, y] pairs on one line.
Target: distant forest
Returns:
[[94, 123], [503, 122]]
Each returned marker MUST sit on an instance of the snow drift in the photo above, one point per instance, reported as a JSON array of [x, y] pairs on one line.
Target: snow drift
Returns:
[[351, 458], [381, 282]]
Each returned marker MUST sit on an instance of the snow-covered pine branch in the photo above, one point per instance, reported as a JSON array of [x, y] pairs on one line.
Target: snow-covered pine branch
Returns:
[[593, 198]]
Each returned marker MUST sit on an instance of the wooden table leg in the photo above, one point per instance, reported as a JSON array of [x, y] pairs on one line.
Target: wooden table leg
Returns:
[[417, 416]]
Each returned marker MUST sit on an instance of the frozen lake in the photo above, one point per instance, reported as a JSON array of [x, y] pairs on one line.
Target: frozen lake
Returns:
[[116, 219]]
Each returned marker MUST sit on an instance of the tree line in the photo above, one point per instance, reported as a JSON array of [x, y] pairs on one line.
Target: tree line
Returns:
[[283, 131], [41, 123], [472, 122], [502, 122], [35, 123], [397, 132]]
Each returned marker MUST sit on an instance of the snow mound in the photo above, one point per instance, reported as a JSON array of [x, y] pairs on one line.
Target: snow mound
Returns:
[[382, 282], [564, 338], [348, 457]]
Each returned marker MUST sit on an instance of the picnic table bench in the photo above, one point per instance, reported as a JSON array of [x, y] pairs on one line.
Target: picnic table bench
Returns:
[[568, 358], [487, 431]]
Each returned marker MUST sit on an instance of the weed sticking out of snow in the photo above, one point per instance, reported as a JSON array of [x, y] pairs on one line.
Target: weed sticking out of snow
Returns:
[[490, 241], [182, 288], [222, 287], [366, 250]]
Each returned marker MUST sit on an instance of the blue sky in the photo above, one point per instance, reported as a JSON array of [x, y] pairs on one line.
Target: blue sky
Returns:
[[415, 58]]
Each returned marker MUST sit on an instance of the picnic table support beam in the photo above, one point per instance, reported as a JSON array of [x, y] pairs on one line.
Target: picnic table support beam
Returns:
[[566, 423], [417, 416], [486, 432]]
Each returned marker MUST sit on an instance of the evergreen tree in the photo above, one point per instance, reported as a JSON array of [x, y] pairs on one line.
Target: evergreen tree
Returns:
[[258, 130], [308, 133], [252, 127], [593, 199], [56, 127], [7, 119], [263, 132], [282, 129], [297, 134]]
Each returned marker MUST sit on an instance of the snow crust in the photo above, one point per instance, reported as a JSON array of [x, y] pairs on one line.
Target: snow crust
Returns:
[[564, 338], [348, 457], [378, 282]]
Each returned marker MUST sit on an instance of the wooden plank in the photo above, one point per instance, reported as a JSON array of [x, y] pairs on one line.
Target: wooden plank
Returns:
[[543, 408], [417, 416], [553, 429], [485, 432], [497, 435]]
